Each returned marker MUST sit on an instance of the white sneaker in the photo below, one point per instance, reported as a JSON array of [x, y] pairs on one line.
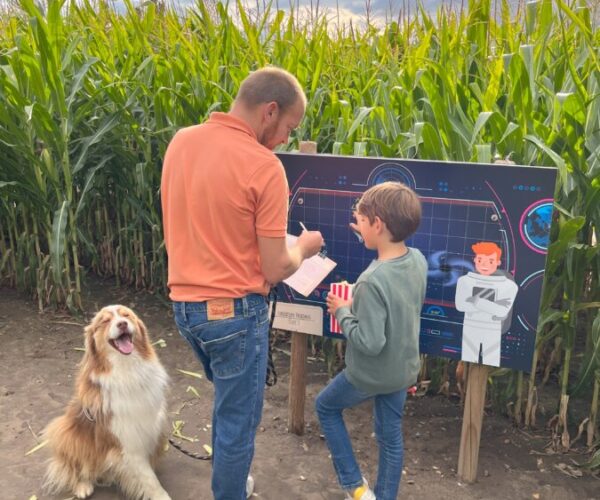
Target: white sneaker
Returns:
[[250, 486], [367, 493]]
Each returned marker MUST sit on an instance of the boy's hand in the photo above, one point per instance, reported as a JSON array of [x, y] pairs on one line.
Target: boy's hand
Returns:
[[354, 227], [334, 302]]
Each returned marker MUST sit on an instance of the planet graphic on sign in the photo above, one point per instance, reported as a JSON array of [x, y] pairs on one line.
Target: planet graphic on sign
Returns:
[[391, 172], [535, 225]]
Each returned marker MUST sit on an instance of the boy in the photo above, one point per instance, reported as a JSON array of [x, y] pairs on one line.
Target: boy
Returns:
[[381, 323]]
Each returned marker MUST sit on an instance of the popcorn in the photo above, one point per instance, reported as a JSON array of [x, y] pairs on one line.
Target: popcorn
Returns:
[[343, 290]]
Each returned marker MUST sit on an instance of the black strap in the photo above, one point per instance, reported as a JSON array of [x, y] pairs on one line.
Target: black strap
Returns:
[[271, 373], [197, 456]]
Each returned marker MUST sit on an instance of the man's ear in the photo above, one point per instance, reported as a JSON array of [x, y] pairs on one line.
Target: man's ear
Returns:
[[271, 110]]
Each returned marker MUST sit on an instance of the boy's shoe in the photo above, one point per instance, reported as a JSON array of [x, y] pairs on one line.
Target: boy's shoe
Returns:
[[361, 493], [250, 486]]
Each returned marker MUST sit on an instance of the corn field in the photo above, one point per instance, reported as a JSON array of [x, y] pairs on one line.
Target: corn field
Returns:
[[89, 99]]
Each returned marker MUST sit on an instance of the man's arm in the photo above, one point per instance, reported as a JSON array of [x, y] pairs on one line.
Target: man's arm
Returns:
[[279, 262], [500, 308], [464, 290]]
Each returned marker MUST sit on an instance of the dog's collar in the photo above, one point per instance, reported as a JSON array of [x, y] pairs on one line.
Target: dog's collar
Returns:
[[87, 414]]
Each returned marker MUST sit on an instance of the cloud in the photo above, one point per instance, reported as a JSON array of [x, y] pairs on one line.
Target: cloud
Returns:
[[343, 12]]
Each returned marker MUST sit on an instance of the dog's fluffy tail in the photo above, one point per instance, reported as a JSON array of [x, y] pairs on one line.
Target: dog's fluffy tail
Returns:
[[73, 463], [60, 474]]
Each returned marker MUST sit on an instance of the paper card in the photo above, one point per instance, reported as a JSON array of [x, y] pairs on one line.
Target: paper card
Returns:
[[311, 273], [298, 318], [343, 290]]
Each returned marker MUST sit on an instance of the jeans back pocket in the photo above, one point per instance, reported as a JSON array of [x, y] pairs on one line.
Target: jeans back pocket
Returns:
[[224, 342]]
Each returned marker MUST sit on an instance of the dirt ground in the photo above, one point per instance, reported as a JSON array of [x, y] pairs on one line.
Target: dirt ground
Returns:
[[38, 363]]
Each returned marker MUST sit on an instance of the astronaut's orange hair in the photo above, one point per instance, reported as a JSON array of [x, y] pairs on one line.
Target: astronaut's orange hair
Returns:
[[487, 248]]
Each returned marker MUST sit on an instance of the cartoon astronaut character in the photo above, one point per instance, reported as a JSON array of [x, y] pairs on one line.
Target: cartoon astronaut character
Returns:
[[486, 297]]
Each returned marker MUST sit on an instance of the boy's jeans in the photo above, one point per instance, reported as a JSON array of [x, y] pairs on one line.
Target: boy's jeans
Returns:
[[234, 354], [340, 394]]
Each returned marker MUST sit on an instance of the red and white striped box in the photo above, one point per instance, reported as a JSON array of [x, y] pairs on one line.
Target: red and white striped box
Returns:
[[343, 290]]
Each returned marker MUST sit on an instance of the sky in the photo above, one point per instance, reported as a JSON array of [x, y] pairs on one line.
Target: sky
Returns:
[[356, 9], [380, 11]]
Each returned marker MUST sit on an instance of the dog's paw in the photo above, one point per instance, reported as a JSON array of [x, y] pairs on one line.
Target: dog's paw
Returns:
[[161, 495], [83, 489]]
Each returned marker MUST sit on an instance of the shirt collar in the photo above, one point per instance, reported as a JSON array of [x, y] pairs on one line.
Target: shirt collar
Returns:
[[233, 122]]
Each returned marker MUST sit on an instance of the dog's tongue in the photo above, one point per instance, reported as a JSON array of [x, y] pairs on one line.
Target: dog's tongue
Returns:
[[124, 344]]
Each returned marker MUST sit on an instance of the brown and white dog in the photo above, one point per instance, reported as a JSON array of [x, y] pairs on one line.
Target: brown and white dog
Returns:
[[114, 427]]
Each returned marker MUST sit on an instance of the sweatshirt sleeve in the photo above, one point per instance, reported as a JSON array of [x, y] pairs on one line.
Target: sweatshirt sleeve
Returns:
[[464, 290], [499, 308], [367, 334]]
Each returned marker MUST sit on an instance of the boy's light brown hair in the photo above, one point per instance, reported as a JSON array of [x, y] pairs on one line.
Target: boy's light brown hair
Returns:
[[395, 204]]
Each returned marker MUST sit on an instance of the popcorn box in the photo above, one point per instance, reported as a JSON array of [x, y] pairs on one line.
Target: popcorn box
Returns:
[[343, 290]]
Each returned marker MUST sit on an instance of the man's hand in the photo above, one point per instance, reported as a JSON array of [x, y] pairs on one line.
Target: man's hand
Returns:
[[277, 261], [310, 242], [334, 302]]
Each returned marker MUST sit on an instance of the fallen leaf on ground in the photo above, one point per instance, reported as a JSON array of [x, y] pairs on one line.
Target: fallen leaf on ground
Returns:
[[191, 374], [177, 427], [37, 447], [568, 470], [192, 390]]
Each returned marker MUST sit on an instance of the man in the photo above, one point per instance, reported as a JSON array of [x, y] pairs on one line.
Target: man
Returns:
[[486, 297], [225, 204]]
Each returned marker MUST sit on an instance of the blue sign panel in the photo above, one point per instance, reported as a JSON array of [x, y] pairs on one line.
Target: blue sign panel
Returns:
[[475, 309]]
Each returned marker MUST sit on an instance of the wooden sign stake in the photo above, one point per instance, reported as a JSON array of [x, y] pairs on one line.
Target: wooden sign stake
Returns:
[[468, 457], [297, 388]]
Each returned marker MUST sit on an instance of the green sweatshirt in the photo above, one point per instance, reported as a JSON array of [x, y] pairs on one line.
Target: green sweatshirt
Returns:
[[383, 324]]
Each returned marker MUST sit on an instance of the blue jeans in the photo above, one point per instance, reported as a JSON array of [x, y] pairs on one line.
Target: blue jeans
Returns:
[[234, 354], [340, 394]]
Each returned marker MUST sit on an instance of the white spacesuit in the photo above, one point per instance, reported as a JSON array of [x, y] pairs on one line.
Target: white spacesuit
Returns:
[[486, 302]]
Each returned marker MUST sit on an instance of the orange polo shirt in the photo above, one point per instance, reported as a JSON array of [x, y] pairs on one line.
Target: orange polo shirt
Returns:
[[220, 189]]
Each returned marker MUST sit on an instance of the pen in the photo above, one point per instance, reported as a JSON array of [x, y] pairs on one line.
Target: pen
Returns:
[[323, 251]]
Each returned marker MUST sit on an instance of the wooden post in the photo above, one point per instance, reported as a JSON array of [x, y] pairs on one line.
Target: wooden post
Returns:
[[468, 457], [470, 437], [297, 388]]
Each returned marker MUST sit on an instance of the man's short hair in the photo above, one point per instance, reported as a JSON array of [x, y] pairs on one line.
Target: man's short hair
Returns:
[[395, 204], [271, 84]]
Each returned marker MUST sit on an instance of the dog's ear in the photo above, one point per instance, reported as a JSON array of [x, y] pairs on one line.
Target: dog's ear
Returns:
[[142, 328], [90, 342], [90, 330], [142, 340]]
